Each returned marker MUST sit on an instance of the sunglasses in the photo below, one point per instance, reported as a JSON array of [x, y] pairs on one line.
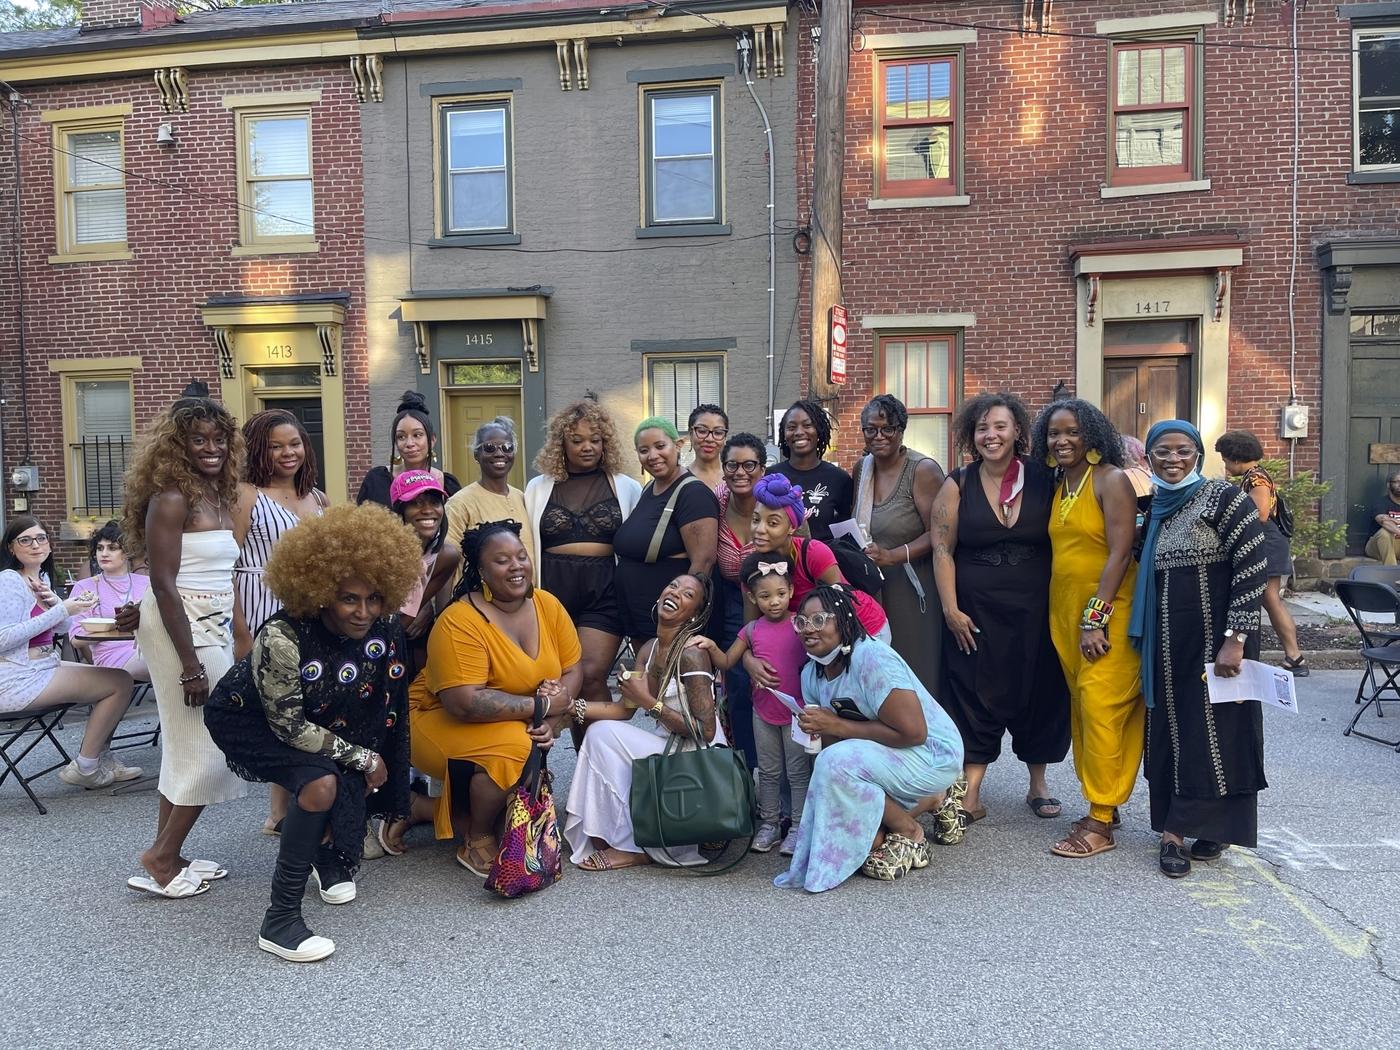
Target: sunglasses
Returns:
[[493, 449], [815, 622], [32, 541], [748, 466]]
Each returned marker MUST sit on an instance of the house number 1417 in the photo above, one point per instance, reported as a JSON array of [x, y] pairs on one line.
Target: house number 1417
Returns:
[[1155, 306]]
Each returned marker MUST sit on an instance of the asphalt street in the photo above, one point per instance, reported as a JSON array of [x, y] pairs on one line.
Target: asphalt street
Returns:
[[996, 944]]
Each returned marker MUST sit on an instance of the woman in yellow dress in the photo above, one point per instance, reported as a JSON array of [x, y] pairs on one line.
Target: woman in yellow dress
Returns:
[[1092, 528]]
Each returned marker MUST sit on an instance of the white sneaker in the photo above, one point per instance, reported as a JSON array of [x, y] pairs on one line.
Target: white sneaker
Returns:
[[120, 772], [100, 777], [766, 838], [789, 842]]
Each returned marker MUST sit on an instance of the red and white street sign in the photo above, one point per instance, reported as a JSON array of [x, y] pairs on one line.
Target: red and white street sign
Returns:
[[837, 367]]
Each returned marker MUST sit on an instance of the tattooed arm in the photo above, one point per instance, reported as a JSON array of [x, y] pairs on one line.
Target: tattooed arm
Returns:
[[480, 703]]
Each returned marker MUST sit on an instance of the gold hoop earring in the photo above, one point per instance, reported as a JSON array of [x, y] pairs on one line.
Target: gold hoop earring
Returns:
[[485, 590], [1050, 459], [1094, 456]]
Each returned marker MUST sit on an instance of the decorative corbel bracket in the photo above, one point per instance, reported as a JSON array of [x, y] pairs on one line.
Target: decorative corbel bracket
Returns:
[[1035, 16], [173, 85], [420, 345], [1233, 11], [572, 59], [223, 340], [1222, 292], [367, 73], [329, 335], [530, 337], [1091, 297], [1338, 280]]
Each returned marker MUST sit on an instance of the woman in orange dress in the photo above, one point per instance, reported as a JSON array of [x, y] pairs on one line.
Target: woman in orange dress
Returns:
[[499, 644]]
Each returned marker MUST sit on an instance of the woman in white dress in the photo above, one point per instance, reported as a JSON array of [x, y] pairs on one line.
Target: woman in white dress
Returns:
[[597, 819], [181, 491]]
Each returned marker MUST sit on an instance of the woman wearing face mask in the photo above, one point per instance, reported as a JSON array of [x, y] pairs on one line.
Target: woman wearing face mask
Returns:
[[1197, 598], [492, 497], [674, 527], [991, 558], [414, 447], [597, 819], [887, 749], [320, 707], [708, 427], [575, 506]]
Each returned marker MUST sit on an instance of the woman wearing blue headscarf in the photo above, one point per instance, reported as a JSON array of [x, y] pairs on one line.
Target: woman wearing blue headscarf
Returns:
[[1197, 601]]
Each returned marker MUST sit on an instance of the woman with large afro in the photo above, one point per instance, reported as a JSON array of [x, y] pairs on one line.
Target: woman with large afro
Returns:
[[320, 706]]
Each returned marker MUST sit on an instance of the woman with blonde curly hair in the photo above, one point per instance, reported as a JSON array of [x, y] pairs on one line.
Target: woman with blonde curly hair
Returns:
[[320, 706], [181, 492], [576, 505]]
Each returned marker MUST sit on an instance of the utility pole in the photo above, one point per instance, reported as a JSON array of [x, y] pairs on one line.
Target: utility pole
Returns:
[[829, 165]]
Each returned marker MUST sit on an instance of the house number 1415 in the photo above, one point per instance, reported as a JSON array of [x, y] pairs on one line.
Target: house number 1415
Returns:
[[1155, 306]]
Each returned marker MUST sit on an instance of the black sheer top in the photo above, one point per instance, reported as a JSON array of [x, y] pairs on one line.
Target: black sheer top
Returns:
[[581, 509]]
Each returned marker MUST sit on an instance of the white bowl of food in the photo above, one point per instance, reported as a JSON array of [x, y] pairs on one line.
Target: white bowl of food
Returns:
[[99, 625]]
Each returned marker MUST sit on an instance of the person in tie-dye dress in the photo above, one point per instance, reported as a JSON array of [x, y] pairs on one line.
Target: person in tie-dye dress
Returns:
[[889, 752]]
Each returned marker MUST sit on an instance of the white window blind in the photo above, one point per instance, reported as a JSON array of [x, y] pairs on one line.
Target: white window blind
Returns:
[[677, 386], [683, 175], [96, 197], [278, 169]]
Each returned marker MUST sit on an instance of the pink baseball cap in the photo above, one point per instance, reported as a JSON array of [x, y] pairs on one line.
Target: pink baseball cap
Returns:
[[411, 484]]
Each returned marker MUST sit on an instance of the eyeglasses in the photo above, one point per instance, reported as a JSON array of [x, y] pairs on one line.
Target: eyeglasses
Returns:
[[884, 431], [1163, 455], [814, 622], [704, 432], [32, 541], [748, 466], [492, 449]]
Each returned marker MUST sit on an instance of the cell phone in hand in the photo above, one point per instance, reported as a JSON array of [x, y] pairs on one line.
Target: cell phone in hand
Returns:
[[846, 708]]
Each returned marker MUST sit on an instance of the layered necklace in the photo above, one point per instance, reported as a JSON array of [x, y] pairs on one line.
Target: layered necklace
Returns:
[[1067, 498], [123, 597]]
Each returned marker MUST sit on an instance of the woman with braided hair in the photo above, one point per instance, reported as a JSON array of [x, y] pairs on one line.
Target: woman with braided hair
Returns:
[[888, 753], [472, 706], [804, 436], [598, 819]]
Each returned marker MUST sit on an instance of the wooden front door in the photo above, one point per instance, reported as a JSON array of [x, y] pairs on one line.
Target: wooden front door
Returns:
[[466, 411], [1138, 391]]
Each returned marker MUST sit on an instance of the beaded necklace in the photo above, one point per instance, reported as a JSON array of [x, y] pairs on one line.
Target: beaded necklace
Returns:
[[123, 598], [1068, 498]]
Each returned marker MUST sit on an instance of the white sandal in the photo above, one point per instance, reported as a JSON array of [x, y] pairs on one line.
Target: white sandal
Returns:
[[207, 870], [185, 884]]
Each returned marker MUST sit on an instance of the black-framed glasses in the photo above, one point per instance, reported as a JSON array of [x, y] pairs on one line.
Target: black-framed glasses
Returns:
[[815, 622], [881, 431], [493, 449], [33, 542], [748, 466], [705, 432]]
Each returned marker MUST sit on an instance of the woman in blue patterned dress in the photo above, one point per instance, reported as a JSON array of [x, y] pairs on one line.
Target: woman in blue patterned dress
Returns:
[[888, 752]]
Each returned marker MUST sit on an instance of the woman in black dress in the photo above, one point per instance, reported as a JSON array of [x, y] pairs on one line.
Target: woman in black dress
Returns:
[[320, 706], [991, 558], [414, 447], [673, 529], [1203, 572]]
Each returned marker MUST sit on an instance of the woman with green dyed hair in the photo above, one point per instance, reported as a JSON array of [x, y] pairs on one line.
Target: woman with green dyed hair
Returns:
[[673, 529]]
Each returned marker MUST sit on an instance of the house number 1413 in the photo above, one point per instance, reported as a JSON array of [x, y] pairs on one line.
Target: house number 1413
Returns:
[[1155, 306]]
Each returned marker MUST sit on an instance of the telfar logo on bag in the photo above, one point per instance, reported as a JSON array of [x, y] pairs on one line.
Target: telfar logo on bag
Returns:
[[683, 796]]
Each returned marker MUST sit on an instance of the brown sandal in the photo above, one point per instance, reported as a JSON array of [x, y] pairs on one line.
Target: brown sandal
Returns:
[[479, 855], [1077, 845]]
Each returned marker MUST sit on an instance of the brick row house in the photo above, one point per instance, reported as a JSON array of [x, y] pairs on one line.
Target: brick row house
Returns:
[[1099, 198], [317, 206]]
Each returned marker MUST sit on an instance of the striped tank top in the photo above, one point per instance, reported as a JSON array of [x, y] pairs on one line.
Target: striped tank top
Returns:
[[269, 521]]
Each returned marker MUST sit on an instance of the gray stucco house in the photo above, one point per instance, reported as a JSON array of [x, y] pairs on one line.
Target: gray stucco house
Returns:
[[564, 200]]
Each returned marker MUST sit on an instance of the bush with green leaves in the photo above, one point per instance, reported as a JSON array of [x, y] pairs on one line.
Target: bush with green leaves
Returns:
[[1302, 492]]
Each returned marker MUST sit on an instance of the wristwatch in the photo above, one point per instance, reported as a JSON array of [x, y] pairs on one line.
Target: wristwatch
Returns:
[[1232, 635]]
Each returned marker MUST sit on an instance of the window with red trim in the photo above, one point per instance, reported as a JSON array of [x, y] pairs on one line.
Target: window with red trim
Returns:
[[916, 116], [920, 371], [1152, 135]]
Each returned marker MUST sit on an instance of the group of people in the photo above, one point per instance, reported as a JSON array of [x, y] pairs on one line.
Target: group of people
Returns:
[[382, 664]]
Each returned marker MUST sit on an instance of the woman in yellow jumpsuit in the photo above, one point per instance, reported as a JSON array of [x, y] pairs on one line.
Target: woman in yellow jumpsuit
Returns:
[[1092, 528]]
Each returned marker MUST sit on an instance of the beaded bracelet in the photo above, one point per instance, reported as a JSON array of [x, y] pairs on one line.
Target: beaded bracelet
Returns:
[[186, 679], [1097, 613]]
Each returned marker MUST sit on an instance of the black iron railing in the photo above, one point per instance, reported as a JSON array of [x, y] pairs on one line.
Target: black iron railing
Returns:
[[98, 466]]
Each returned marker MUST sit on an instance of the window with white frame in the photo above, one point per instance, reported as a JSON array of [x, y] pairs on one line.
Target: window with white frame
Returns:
[[1376, 96], [682, 176], [474, 149], [276, 187], [919, 370], [98, 424], [91, 187], [675, 385]]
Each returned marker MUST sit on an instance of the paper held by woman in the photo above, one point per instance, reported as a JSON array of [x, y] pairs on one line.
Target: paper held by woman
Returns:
[[1256, 681]]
